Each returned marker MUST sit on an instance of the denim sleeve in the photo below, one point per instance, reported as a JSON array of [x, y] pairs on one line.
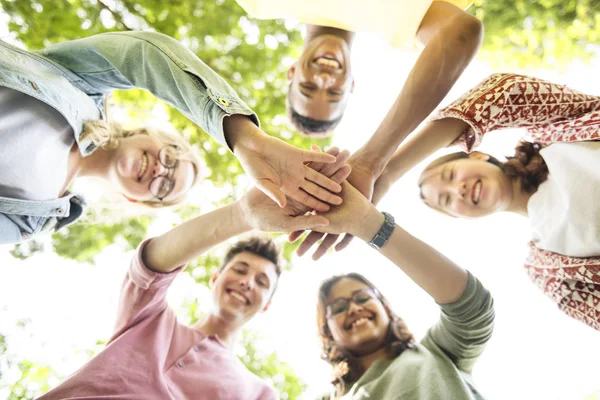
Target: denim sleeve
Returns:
[[10, 232], [157, 63], [465, 326]]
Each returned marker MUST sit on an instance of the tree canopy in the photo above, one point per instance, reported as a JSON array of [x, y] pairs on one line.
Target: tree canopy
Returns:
[[253, 57]]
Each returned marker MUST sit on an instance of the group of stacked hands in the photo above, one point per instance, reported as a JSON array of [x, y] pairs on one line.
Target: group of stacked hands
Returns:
[[52, 104]]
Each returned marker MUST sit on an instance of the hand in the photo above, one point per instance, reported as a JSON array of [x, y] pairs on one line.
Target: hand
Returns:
[[356, 215], [363, 179], [278, 168], [259, 211]]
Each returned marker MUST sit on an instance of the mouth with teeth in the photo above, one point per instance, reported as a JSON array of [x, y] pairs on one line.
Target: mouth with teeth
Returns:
[[237, 296], [357, 323], [476, 192], [143, 166], [327, 62]]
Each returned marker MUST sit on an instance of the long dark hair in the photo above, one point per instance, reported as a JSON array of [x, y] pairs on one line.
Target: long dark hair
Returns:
[[346, 367]]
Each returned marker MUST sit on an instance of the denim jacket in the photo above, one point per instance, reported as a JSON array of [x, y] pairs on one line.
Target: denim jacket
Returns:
[[73, 77]]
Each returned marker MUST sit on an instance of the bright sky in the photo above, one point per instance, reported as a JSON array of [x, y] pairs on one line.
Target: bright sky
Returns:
[[536, 351]]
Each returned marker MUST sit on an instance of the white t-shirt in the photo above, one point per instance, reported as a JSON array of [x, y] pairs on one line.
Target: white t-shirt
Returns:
[[397, 20], [35, 141], [564, 213]]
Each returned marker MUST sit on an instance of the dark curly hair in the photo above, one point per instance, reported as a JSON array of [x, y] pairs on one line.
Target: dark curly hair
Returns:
[[346, 367], [526, 164]]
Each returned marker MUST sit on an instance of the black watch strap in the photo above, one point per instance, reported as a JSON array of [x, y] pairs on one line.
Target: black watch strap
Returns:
[[381, 237]]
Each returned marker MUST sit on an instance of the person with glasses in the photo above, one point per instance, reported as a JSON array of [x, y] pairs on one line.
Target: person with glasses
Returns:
[[53, 130], [372, 351]]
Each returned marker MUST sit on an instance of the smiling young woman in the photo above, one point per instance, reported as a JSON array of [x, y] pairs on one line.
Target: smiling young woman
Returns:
[[550, 180]]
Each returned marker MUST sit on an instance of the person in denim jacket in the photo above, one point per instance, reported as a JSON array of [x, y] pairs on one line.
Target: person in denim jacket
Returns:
[[53, 131]]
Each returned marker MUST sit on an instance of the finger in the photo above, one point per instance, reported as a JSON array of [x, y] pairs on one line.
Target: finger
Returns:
[[271, 190], [324, 246], [308, 242], [317, 166], [342, 174], [344, 242], [307, 222], [320, 193], [331, 169], [293, 236], [308, 156], [309, 201], [322, 180]]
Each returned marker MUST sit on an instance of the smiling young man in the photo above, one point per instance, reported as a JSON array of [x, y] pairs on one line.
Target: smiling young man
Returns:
[[152, 356], [321, 79]]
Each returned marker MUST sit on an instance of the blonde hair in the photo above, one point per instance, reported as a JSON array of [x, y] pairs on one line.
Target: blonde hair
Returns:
[[107, 136]]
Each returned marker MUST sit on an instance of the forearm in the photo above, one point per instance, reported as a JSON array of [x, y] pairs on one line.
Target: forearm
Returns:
[[447, 53], [437, 275], [157, 63], [192, 238], [435, 136]]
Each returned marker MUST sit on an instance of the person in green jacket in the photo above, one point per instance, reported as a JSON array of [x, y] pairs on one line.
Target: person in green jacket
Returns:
[[371, 350]]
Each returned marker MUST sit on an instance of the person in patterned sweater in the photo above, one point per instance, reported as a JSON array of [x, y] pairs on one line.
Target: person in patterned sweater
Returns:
[[546, 177]]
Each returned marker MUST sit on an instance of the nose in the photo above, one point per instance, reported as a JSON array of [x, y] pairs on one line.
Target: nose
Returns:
[[354, 308], [459, 189], [324, 79], [159, 169], [245, 284]]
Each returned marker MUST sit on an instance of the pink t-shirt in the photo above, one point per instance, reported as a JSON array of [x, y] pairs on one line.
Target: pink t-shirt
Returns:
[[151, 356]]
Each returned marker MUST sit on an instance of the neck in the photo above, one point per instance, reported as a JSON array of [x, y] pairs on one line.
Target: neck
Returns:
[[313, 31], [226, 329], [518, 203], [96, 164], [368, 359]]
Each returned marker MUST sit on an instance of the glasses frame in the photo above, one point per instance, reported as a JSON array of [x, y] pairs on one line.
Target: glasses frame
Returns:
[[374, 295], [170, 172]]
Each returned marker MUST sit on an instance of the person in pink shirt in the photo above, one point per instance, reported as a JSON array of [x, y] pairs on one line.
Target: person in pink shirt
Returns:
[[153, 356]]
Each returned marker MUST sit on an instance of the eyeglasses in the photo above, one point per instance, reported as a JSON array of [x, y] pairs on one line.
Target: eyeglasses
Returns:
[[342, 304], [162, 185]]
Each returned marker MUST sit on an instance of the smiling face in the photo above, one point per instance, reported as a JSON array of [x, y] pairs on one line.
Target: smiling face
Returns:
[[321, 79], [244, 286], [468, 187], [136, 168], [360, 328]]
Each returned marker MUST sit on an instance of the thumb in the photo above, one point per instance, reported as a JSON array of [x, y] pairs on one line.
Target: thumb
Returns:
[[308, 222], [271, 190]]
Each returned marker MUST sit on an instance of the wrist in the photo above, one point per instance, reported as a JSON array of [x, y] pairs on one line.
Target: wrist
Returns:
[[369, 160], [240, 216], [241, 133], [370, 224]]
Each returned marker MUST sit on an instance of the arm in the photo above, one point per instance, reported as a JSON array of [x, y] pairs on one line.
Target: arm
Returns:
[[157, 63], [451, 38], [467, 317], [10, 232], [434, 136], [437, 275], [164, 67]]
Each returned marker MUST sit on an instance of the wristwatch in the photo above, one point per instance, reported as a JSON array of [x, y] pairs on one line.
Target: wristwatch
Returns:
[[381, 237]]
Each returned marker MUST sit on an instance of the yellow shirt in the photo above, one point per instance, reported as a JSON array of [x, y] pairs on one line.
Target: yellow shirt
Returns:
[[397, 20]]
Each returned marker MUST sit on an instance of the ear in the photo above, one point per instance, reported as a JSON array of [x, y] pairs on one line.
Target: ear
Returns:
[[290, 72], [477, 155], [266, 307], [352, 85], [213, 278]]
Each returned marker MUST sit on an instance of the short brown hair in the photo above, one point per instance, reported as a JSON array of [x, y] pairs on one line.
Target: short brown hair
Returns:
[[262, 246], [346, 367]]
